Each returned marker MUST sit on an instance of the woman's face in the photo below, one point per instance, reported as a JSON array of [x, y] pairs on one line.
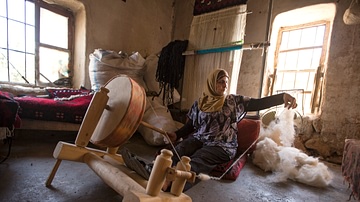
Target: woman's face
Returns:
[[222, 85]]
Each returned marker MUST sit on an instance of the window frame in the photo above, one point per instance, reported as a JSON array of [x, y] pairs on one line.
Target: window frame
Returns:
[[316, 92], [58, 10]]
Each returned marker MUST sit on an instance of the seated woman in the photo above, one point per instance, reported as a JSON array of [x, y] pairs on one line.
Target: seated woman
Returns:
[[212, 123]]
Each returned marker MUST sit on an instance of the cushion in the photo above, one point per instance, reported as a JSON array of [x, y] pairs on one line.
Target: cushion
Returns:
[[248, 132], [233, 173]]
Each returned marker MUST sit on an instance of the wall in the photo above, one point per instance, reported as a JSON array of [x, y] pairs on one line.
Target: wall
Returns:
[[118, 25]]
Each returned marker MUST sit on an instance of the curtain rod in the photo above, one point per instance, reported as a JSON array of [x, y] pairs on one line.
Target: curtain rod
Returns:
[[249, 46]]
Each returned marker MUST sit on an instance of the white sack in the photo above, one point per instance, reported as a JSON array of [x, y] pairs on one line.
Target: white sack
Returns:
[[156, 115], [105, 64]]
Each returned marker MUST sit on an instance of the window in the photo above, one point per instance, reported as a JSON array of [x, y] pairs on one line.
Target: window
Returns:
[[35, 43], [299, 56]]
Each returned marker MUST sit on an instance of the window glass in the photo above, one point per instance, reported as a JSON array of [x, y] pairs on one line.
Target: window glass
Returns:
[[30, 13], [307, 37], [3, 8], [3, 33], [30, 39], [54, 29], [30, 68], [299, 57], [3, 65], [319, 39], [16, 35], [53, 64], [294, 39], [17, 66], [16, 10]]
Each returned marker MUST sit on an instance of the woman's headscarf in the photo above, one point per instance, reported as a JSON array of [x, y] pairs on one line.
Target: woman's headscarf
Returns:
[[210, 101]]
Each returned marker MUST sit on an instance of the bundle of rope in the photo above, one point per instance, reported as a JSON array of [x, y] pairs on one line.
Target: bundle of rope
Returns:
[[170, 68]]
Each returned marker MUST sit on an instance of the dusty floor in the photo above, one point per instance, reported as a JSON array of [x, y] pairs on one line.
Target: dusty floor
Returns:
[[23, 176]]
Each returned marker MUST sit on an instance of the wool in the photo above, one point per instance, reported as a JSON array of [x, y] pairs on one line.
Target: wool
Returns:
[[275, 152]]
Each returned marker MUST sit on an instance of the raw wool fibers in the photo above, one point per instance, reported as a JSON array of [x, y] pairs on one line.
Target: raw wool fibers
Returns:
[[281, 130], [274, 152]]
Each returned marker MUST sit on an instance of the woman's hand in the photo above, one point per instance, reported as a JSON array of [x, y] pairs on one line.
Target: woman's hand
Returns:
[[290, 101], [172, 136]]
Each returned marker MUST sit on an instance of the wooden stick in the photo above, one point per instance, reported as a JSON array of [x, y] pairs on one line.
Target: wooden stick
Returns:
[[71, 152], [132, 174], [53, 172], [92, 117], [153, 127], [112, 176]]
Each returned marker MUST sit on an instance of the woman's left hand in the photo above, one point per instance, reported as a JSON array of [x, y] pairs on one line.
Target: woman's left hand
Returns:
[[290, 101], [172, 136]]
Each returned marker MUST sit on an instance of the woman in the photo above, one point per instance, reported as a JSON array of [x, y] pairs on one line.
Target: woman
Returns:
[[212, 123]]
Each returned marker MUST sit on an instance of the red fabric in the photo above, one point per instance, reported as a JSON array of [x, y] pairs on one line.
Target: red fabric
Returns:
[[72, 111], [248, 132], [233, 173]]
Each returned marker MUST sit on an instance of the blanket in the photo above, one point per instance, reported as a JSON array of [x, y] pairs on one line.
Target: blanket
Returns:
[[56, 108]]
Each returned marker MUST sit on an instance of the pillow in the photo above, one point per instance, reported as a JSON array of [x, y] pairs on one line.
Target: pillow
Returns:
[[248, 132], [233, 173]]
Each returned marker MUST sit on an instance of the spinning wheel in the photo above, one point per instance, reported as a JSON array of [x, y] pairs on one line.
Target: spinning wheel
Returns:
[[113, 115]]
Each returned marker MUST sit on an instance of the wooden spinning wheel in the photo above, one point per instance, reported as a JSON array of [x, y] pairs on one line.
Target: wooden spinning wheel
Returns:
[[113, 115]]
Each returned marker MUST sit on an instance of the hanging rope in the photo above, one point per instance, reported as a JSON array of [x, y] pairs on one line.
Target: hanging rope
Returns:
[[170, 68]]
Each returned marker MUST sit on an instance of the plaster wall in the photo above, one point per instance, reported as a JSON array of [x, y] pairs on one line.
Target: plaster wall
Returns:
[[128, 26]]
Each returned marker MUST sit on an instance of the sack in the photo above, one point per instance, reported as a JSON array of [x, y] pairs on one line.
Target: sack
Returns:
[[352, 14]]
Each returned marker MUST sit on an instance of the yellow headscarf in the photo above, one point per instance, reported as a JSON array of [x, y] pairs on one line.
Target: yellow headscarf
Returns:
[[210, 101]]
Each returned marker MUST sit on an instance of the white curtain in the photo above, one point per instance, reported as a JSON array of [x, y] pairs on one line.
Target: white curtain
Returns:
[[215, 29]]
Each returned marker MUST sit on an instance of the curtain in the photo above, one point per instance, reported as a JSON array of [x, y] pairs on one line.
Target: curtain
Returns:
[[215, 29]]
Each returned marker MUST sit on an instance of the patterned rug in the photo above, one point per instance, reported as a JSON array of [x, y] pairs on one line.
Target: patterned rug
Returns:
[[206, 6]]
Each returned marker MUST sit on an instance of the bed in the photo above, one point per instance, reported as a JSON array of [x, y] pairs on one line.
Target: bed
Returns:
[[48, 108], [61, 109]]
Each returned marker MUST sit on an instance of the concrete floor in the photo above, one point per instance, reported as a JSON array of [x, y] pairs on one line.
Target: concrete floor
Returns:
[[23, 176]]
